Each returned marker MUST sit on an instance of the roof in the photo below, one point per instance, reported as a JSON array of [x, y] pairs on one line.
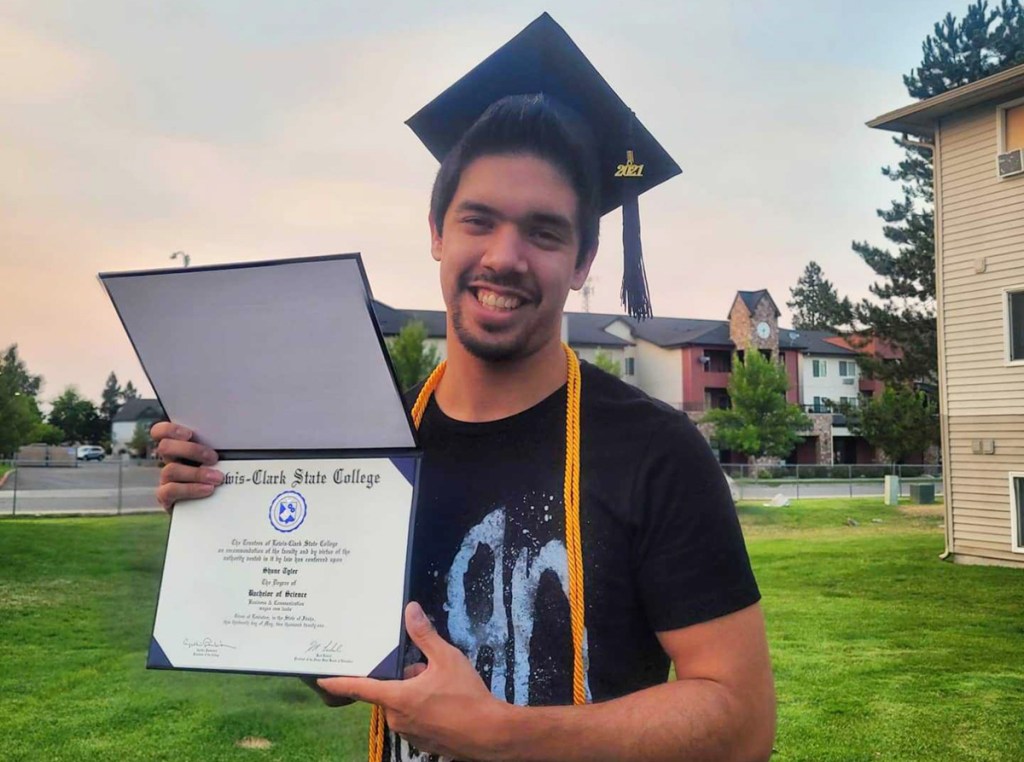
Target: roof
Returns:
[[139, 410], [751, 299], [920, 118], [589, 329]]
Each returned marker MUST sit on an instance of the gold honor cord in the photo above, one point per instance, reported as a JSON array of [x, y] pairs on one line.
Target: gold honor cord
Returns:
[[573, 544]]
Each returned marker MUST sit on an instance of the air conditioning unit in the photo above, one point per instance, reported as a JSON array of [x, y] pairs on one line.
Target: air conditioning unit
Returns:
[[850, 381], [1011, 163]]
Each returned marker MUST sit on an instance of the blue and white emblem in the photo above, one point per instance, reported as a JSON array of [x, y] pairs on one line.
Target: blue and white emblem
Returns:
[[288, 511]]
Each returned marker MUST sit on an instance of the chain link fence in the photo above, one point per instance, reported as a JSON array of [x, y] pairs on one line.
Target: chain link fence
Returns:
[[808, 481], [116, 485], [71, 486]]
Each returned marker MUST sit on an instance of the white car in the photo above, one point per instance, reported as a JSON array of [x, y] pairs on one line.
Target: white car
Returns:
[[91, 452]]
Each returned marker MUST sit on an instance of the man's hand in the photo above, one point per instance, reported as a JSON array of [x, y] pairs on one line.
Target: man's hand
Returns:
[[441, 707], [186, 474]]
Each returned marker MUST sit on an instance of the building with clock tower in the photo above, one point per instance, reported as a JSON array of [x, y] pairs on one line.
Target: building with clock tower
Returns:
[[754, 321]]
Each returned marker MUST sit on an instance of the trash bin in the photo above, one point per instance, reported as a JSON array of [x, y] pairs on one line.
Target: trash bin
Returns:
[[922, 494], [892, 490]]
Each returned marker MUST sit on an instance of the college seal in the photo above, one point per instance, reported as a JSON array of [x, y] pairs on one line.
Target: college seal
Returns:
[[288, 511]]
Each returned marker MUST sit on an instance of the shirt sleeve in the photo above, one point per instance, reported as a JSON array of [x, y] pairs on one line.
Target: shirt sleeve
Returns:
[[691, 561]]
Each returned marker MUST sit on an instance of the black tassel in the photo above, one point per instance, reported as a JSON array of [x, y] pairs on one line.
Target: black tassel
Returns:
[[636, 297]]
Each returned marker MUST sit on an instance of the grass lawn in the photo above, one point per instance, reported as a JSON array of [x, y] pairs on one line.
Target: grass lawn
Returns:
[[881, 651], [4, 469]]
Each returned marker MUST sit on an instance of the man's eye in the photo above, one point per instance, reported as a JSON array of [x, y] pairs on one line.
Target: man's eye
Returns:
[[547, 236], [477, 222]]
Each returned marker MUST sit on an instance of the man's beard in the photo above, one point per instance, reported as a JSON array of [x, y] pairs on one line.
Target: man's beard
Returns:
[[500, 349]]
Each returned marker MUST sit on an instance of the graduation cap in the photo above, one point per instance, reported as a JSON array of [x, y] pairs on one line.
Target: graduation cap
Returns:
[[543, 59]]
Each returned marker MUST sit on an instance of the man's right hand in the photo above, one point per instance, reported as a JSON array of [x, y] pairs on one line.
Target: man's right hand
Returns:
[[181, 478]]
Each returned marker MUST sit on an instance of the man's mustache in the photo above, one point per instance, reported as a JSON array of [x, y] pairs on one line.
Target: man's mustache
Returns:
[[514, 282]]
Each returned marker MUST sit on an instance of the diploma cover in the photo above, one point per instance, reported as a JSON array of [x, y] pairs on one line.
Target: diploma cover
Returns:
[[298, 563]]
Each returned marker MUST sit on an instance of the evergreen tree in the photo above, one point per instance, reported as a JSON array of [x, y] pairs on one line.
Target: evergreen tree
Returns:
[[816, 305], [958, 52], [411, 356], [111, 398], [129, 392], [13, 368], [760, 422]]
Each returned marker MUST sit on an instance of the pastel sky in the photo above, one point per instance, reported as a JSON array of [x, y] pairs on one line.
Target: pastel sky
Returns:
[[247, 129]]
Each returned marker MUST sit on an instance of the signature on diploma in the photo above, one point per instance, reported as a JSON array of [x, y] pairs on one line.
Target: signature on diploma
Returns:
[[330, 647], [207, 643]]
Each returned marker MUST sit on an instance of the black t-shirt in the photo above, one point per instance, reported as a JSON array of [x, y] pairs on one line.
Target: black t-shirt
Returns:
[[662, 547]]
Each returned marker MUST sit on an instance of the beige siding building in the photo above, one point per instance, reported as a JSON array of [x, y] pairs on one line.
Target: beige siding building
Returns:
[[978, 135]]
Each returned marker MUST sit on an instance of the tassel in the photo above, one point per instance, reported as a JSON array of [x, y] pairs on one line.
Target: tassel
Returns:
[[636, 297]]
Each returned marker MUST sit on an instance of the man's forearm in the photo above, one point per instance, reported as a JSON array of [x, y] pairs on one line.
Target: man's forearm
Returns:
[[684, 719]]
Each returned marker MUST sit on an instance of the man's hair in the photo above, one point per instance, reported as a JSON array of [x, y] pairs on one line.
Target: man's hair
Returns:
[[537, 126]]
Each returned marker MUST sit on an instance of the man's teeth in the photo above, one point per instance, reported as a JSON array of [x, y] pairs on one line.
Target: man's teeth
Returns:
[[494, 301]]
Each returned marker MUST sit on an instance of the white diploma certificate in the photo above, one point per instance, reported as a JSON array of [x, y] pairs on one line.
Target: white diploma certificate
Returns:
[[293, 566], [297, 564]]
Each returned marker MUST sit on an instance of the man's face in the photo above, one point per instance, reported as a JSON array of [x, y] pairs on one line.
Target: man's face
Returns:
[[508, 255]]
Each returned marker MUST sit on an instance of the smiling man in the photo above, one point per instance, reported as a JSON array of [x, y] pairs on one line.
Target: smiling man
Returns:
[[574, 537]]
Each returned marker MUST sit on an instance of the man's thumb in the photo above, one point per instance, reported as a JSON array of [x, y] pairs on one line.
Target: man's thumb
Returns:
[[422, 631]]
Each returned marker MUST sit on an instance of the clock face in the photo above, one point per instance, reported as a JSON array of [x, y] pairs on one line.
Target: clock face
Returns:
[[764, 330]]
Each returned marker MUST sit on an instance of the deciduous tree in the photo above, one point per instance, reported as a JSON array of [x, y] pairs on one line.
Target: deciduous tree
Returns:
[[900, 422], [411, 356], [760, 422]]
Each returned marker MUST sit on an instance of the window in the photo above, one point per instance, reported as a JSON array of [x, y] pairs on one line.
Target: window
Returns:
[[1015, 326], [819, 368], [1017, 511], [847, 368], [1013, 127], [630, 366]]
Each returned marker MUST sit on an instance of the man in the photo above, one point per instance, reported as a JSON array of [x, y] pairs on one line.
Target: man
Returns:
[[515, 620]]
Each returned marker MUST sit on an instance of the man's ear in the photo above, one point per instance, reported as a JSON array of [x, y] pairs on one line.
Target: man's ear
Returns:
[[579, 275], [435, 239]]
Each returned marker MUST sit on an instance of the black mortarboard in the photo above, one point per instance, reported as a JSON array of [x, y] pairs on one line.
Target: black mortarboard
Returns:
[[543, 59]]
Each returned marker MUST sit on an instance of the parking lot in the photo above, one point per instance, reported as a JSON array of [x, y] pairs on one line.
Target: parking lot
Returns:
[[106, 486]]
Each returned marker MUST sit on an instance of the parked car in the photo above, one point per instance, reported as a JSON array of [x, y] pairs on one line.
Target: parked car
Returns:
[[91, 452]]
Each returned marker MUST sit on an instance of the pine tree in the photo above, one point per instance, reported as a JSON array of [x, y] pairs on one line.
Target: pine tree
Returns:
[[129, 392], [816, 304], [111, 398], [958, 52], [760, 422]]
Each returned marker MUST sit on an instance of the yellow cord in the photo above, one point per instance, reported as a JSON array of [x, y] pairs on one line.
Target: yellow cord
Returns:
[[573, 543]]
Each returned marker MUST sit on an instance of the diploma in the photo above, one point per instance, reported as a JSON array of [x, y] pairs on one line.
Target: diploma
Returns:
[[297, 563], [293, 566]]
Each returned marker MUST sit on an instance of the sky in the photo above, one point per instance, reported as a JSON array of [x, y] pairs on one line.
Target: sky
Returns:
[[239, 130]]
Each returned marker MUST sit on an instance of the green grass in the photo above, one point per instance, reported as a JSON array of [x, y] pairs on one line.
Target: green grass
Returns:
[[4, 469], [881, 651]]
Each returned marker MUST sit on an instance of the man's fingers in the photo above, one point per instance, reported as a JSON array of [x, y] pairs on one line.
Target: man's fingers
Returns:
[[423, 633], [169, 494], [328, 698], [414, 670], [176, 449], [179, 472], [359, 688], [168, 430]]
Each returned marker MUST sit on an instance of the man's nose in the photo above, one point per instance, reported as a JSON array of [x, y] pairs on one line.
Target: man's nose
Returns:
[[506, 250]]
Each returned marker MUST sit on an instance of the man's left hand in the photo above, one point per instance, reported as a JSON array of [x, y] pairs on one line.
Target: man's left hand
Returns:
[[441, 707]]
